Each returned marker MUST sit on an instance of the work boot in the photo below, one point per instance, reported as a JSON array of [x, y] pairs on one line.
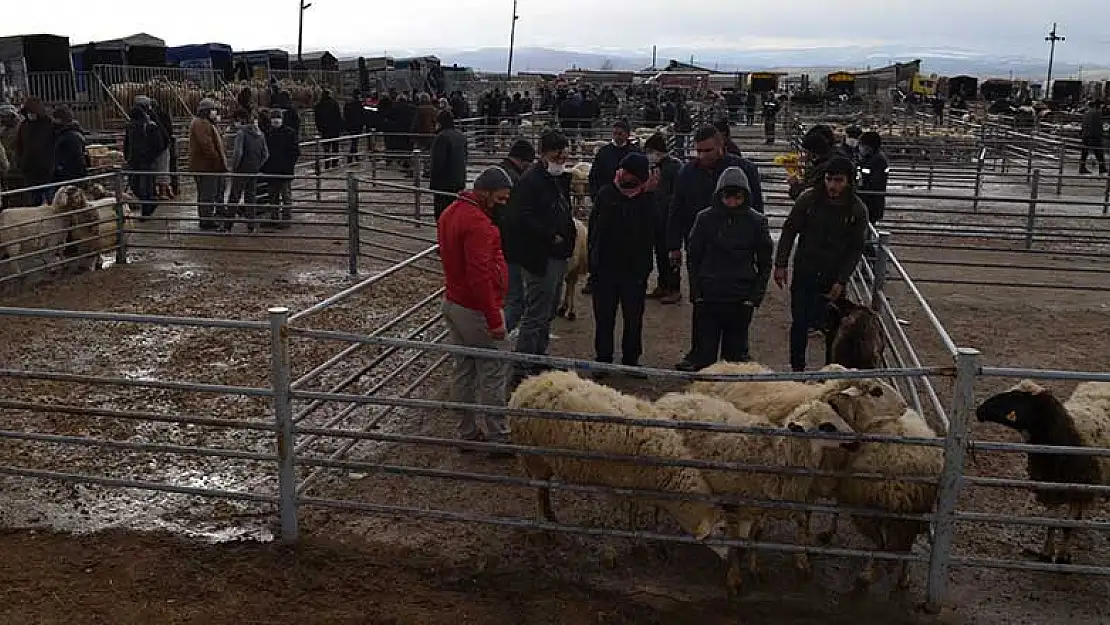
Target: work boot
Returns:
[[658, 293], [672, 297]]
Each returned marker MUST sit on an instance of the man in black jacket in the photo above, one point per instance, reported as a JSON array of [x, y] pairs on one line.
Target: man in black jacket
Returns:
[[285, 151], [664, 175], [620, 261], [729, 261], [541, 239], [602, 171], [354, 116], [874, 170], [143, 141], [521, 156], [831, 221], [329, 123], [447, 172]]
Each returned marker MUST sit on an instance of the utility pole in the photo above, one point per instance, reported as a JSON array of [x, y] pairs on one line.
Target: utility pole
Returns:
[[1053, 38], [300, 28], [512, 42]]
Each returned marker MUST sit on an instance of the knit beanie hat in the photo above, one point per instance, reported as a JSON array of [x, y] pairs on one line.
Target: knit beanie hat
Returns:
[[493, 179], [523, 150], [636, 164], [838, 165]]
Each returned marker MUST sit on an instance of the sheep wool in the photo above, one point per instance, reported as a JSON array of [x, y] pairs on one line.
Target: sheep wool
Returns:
[[566, 392], [576, 268]]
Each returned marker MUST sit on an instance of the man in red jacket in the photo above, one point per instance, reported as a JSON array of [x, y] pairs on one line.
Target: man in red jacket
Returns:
[[477, 279]]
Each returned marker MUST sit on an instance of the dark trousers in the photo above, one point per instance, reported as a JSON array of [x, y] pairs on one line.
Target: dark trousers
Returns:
[[809, 307], [668, 276], [330, 147], [722, 332], [142, 185], [630, 296], [440, 204], [591, 279], [352, 153], [1092, 145]]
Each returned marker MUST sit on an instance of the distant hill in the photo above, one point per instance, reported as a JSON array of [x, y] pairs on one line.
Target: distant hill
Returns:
[[946, 62]]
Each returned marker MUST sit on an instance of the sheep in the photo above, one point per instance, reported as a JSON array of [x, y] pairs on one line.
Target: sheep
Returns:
[[766, 450], [576, 268], [854, 336], [52, 223], [579, 185], [1082, 421], [890, 460], [563, 391]]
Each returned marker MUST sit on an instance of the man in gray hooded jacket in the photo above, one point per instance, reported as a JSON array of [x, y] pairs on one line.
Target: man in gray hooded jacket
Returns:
[[249, 153]]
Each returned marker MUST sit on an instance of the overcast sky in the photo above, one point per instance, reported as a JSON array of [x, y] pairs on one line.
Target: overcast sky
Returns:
[[1005, 27]]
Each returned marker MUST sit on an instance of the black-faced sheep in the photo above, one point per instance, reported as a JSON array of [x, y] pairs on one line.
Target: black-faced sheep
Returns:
[[1082, 421], [854, 336], [889, 460], [566, 392], [757, 449]]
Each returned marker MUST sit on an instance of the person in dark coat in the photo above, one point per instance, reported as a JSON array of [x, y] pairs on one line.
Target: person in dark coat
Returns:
[[541, 239], [404, 113], [665, 170], [620, 259], [143, 142], [725, 129], [70, 160], [354, 116], [1091, 133], [34, 149], [874, 169], [749, 108], [448, 162], [830, 223], [329, 124], [520, 158], [602, 171], [284, 152], [850, 148], [729, 262], [818, 150]]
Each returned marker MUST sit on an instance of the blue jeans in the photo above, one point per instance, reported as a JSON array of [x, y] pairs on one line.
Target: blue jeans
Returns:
[[808, 309], [540, 300], [514, 299]]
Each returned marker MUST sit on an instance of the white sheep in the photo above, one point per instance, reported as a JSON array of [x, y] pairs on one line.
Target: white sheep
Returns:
[[890, 460], [757, 449], [1082, 421], [576, 268], [46, 228], [579, 185], [566, 392]]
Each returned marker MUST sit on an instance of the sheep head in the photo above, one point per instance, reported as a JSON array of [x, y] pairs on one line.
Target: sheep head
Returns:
[[70, 198], [98, 191], [861, 401], [820, 417], [1020, 407]]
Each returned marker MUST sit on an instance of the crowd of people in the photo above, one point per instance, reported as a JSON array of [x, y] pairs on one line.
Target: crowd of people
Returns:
[[505, 246], [39, 150]]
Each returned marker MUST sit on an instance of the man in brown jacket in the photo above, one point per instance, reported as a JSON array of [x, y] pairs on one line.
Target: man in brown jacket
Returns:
[[208, 162]]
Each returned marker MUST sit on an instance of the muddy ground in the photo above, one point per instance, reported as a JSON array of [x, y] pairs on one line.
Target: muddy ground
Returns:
[[356, 567]]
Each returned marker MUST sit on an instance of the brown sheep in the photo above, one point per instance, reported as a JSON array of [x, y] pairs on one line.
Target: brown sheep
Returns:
[[853, 335]]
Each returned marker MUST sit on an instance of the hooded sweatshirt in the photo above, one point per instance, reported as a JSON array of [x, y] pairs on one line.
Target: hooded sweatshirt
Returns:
[[730, 249], [249, 152]]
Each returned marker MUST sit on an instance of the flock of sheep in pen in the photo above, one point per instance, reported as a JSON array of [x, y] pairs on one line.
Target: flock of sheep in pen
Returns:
[[840, 409], [69, 234]]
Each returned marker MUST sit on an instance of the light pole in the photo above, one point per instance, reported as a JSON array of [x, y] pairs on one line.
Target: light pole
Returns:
[[300, 27], [1052, 37], [512, 41]]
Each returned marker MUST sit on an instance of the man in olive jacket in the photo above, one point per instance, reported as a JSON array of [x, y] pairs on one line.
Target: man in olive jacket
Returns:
[[830, 222]]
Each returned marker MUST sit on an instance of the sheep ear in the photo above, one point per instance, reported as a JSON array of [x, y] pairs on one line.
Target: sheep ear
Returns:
[[852, 391], [1031, 387]]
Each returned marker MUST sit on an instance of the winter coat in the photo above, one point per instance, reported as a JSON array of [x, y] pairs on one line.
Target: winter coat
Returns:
[[424, 120], [1092, 125], [474, 268], [694, 191], [831, 236], [538, 212], [284, 151], [329, 119], [874, 170], [448, 166], [206, 147], [249, 150], [730, 250], [623, 236], [664, 191], [34, 146], [605, 165], [70, 160], [354, 115], [143, 141]]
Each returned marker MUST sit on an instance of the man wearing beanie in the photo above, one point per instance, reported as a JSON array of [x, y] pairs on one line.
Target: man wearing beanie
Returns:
[[208, 161], [817, 145], [665, 170], [623, 233], [830, 222], [476, 277], [521, 156], [447, 172], [604, 168]]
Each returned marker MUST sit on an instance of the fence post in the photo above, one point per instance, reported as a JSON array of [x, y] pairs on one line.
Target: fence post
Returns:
[[283, 416], [932, 171], [1106, 197], [951, 480], [1060, 173], [879, 269], [979, 178], [373, 156], [319, 171], [1029, 156], [1031, 220], [121, 222], [352, 224], [417, 176]]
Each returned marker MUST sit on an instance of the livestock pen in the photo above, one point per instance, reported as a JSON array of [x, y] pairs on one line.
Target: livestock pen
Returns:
[[319, 412]]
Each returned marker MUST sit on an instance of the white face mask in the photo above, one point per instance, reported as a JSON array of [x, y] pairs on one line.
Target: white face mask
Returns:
[[851, 142], [214, 115], [556, 169], [276, 122]]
